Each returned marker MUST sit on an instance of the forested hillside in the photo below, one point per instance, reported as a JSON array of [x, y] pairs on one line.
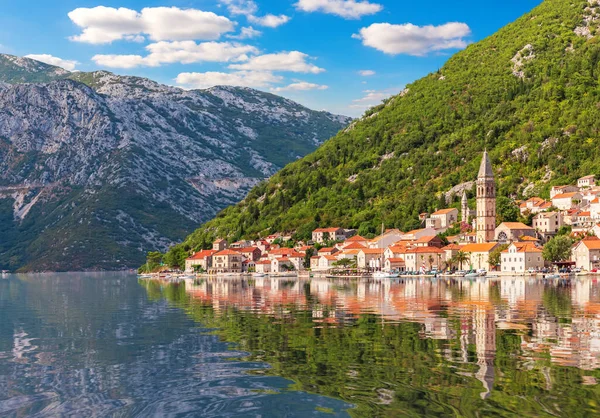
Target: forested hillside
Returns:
[[529, 93]]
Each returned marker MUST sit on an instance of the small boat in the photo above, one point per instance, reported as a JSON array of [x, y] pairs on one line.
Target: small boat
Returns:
[[472, 275], [259, 275], [553, 276], [385, 275]]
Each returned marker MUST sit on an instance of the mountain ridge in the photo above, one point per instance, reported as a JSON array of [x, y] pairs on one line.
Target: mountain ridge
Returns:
[[94, 174]]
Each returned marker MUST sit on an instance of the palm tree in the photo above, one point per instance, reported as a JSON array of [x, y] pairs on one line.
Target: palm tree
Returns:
[[430, 259], [460, 258]]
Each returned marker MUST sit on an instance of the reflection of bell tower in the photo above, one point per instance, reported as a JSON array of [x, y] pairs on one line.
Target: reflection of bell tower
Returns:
[[465, 208], [484, 326], [486, 201]]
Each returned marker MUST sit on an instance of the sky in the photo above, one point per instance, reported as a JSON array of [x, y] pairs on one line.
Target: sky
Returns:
[[343, 56]]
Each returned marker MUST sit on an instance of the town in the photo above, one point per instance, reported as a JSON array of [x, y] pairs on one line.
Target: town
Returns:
[[480, 247]]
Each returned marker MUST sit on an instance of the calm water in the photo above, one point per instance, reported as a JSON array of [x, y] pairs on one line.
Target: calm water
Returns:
[[108, 345]]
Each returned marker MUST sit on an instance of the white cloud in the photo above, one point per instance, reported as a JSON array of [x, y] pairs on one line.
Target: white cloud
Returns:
[[249, 9], [293, 61], [270, 21], [348, 9], [102, 25], [370, 99], [240, 7], [300, 86], [184, 52], [366, 73], [68, 65], [254, 79], [119, 61], [246, 33], [414, 40]]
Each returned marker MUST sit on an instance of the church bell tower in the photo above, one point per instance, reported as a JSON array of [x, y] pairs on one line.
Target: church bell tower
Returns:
[[486, 201]]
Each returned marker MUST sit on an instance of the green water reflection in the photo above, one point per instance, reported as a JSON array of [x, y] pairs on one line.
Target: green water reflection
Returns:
[[515, 347]]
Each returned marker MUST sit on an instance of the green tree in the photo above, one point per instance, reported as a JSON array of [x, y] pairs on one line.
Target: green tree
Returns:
[[558, 249], [307, 256], [496, 255], [460, 258], [506, 210]]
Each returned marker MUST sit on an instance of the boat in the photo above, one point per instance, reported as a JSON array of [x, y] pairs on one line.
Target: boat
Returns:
[[259, 275], [385, 275], [472, 275]]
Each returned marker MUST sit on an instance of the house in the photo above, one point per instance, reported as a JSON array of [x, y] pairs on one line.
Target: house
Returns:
[[534, 205], [272, 238], [220, 245], [369, 258], [201, 259], [314, 262], [386, 239], [248, 266], [417, 233], [322, 235], [357, 239], [451, 250], [513, 231], [479, 255], [297, 260], [353, 246], [240, 244], [556, 190], [263, 266], [328, 251], [587, 181], [583, 219], [547, 224], [566, 201], [251, 253], [226, 261], [519, 257], [586, 254], [442, 219], [282, 265], [424, 258], [429, 241], [303, 249], [395, 251], [327, 262], [595, 208], [570, 216], [394, 264]]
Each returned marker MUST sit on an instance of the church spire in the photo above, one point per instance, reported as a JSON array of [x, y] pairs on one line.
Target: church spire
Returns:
[[465, 207], [485, 169]]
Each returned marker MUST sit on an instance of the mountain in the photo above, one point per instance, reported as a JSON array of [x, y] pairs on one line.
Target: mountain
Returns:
[[97, 169], [529, 94]]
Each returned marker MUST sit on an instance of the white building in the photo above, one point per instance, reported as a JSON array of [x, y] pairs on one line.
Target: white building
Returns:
[[519, 257]]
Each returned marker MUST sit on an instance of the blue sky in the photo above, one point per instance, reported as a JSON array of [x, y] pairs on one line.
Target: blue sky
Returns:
[[311, 51]]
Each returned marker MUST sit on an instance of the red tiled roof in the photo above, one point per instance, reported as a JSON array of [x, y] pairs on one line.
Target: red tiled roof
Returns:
[[227, 252], [248, 249], [396, 260], [444, 211], [515, 225], [202, 254], [327, 229], [425, 250], [479, 248], [354, 246], [356, 238], [565, 195]]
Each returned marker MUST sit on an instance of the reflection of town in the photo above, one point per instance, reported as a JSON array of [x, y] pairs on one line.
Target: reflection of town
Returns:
[[561, 320]]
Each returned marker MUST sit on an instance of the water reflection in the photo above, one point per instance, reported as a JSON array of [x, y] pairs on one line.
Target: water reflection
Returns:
[[97, 345], [416, 347]]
